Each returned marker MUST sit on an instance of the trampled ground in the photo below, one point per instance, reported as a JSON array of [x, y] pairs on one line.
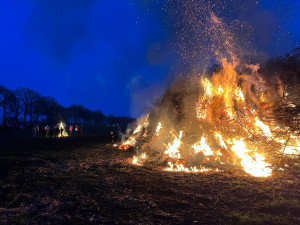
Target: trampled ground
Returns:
[[83, 180]]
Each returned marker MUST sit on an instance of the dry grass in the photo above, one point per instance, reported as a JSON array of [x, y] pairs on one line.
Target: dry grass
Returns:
[[85, 181]]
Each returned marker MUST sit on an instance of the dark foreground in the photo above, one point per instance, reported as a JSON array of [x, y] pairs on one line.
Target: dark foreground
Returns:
[[85, 181]]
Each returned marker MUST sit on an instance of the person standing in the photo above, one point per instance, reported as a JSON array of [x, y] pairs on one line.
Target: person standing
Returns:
[[56, 132], [47, 130], [61, 131], [34, 131], [112, 137], [76, 130], [71, 130]]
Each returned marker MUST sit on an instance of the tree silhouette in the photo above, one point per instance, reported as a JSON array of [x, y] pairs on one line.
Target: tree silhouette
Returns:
[[7, 98], [16, 111], [50, 110], [33, 101], [25, 96], [98, 117], [38, 105], [46, 110]]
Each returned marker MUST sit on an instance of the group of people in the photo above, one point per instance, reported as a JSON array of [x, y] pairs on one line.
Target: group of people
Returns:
[[61, 130], [55, 131], [75, 130]]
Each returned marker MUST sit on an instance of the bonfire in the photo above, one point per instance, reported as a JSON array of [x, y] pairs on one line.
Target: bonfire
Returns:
[[62, 126], [230, 120]]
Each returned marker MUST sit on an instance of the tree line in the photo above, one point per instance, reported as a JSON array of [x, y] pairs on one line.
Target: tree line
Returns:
[[26, 107]]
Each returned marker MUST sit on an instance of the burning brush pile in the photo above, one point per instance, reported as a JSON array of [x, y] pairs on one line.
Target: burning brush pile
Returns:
[[227, 121], [239, 118]]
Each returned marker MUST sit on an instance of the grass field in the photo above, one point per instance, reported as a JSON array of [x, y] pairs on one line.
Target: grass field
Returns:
[[84, 180]]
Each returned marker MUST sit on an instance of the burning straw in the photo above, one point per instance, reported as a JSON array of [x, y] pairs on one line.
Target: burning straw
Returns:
[[232, 120]]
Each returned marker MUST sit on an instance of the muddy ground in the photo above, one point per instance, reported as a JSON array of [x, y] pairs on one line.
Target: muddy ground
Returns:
[[84, 180]]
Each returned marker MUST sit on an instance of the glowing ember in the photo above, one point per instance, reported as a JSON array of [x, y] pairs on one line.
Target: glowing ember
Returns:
[[158, 128], [173, 149], [294, 146], [202, 146], [220, 139], [131, 141], [207, 87], [254, 165], [138, 129], [137, 160], [220, 90], [181, 168], [239, 94], [265, 129]]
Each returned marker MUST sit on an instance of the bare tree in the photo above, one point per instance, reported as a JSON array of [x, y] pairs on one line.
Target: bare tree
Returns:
[[16, 111], [6, 100], [98, 116], [76, 113], [51, 108], [38, 107], [25, 96], [35, 106]]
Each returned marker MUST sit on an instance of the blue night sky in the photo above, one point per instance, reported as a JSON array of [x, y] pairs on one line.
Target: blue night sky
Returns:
[[112, 55]]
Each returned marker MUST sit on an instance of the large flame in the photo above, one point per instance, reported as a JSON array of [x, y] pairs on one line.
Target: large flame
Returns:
[[254, 165], [215, 122], [131, 141]]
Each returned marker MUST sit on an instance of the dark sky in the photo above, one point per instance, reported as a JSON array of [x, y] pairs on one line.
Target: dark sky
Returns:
[[116, 55]]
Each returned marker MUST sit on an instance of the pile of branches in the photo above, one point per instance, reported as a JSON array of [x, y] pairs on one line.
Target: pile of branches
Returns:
[[284, 73]]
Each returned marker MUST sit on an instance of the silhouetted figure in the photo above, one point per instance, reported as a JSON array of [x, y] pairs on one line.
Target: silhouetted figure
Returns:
[[37, 130], [119, 131], [76, 130], [51, 131], [56, 131], [112, 136], [61, 131], [71, 129], [43, 132], [34, 131], [46, 130], [81, 130]]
